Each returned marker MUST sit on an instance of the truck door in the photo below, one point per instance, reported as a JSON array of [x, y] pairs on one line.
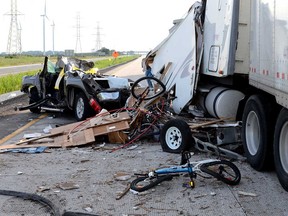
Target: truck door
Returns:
[[220, 37]]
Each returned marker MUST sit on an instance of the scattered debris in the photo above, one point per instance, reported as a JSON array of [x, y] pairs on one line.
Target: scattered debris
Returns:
[[26, 150], [122, 176], [141, 118], [242, 193], [132, 147], [32, 135], [47, 129], [68, 186], [122, 193], [79, 133], [42, 188], [88, 208], [200, 196]]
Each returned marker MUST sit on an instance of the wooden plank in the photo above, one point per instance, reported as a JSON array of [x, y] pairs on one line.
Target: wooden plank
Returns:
[[82, 138], [112, 127], [13, 146], [107, 119], [117, 137], [37, 138], [197, 125]]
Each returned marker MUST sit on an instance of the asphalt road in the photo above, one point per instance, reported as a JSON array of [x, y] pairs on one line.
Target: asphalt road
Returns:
[[92, 170], [19, 69]]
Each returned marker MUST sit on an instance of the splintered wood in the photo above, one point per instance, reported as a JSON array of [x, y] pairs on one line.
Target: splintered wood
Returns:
[[81, 133], [202, 123]]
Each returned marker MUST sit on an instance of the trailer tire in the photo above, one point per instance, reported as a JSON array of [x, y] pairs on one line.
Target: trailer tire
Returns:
[[257, 131], [82, 108], [281, 148], [175, 136]]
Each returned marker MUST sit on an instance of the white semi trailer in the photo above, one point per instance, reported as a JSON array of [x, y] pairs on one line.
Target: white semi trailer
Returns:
[[229, 59]]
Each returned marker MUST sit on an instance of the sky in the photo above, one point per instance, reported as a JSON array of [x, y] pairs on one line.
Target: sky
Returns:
[[124, 25]]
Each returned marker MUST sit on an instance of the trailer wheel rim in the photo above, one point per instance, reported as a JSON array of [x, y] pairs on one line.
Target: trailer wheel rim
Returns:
[[252, 130], [283, 147], [80, 107], [173, 138]]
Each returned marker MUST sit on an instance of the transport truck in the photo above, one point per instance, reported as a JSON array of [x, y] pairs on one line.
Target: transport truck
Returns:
[[228, 59]]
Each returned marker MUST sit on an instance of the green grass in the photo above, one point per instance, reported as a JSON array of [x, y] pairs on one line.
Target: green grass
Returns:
[[12, 82], [20, 60], [112, 61]]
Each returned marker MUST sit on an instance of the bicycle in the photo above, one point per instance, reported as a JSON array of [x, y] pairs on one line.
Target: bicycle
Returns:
[[223, 170], [147, 107]]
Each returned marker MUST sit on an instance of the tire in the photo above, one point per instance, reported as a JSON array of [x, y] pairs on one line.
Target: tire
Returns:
[[257, 131], [144, 183], [176, 136], [140, 87], [34, 97], [82, 108], [281, 148], [223, 170]]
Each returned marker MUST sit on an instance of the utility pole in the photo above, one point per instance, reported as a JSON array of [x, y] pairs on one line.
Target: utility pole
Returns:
[[44, 16], [78, 48], [53, 30], [14, 38]]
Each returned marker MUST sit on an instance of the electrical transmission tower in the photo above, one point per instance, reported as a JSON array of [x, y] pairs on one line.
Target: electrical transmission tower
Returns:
[[98, 39], [14, 39], [78, 48]]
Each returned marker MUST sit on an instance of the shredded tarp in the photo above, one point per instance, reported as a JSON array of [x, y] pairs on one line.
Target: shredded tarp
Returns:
[[31, 150]]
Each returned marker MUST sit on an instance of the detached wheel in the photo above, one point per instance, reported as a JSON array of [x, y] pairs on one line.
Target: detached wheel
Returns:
[[82, 108], [176, 136], [258, 132], [281, 148]]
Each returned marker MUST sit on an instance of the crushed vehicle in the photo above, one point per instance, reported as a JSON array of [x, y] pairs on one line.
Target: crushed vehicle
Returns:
[[227, 61], [74, 84]]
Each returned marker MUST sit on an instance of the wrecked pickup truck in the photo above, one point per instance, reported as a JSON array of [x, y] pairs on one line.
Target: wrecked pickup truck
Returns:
[[75, 85]]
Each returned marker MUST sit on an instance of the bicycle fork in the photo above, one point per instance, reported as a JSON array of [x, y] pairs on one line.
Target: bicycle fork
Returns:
[[192, 175]]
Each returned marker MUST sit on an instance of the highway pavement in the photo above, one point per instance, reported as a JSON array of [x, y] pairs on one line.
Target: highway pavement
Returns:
[[84, 179]]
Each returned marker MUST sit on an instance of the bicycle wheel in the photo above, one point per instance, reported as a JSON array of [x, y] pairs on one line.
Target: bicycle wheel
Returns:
[[223, 170], [140, 88], [144, 183]]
